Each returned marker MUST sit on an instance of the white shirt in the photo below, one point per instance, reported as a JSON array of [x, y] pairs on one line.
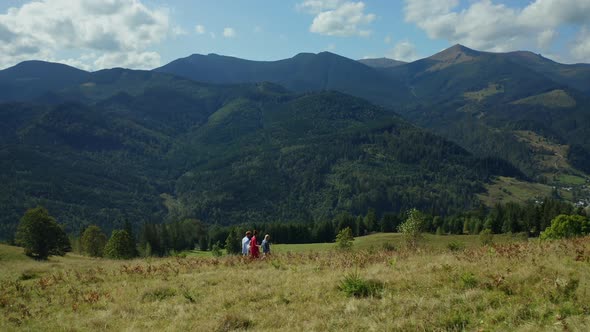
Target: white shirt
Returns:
[[245, 245]]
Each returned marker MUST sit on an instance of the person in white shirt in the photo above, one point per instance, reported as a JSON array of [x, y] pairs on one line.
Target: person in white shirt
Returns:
[[246, 243]]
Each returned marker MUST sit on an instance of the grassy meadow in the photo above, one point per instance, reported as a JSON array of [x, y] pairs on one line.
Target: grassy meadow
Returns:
[[449, 283]]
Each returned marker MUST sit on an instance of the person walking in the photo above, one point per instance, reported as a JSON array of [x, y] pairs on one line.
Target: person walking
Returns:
[[254, 249], [266, 246], [246, 243]]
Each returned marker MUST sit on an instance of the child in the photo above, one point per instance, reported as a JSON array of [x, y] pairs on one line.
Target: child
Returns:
[[266, 245]]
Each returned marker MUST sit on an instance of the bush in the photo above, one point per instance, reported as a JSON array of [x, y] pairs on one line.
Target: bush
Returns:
[[344, 239], [486, 237], [93, 241], [158, 294], [354, 285], [455, 245], [216, 249], [566, 226], [412, 228], [41, 235], [468, 280], [232, 322]]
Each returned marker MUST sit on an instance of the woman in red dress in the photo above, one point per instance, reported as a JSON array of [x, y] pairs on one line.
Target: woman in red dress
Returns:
[[254, 249]]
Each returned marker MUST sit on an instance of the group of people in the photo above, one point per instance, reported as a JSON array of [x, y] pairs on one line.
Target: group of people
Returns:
[[250, 245]]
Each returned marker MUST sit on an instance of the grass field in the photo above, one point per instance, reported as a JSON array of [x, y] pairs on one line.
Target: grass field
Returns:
[[505, 189], [513, 285]]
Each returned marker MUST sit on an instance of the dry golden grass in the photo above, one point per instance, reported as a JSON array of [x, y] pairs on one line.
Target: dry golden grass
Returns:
[[522, 286]]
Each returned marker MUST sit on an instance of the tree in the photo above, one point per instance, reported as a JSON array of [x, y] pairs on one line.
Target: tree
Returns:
[[412, 228], [344, 239], [371, 222], [40, 235], [567, 226], [233, 243], [119, 246], [93, 241]]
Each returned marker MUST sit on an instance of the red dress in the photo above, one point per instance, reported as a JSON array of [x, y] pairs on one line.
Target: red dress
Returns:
[[254, 249]]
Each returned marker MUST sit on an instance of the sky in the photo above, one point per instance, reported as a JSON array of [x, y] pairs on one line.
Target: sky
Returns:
[[145, 34]]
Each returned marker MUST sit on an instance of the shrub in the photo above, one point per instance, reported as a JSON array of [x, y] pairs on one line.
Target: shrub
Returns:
[[158, 294], [412, 228], [486, 237], [388, 246], [344, 239], [216, 249], [354, 285], [455, 245], [41, 235], [566, 226], [468, 280], [233, 322]]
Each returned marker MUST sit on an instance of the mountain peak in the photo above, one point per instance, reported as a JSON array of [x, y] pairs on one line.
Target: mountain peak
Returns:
[[455, 53]]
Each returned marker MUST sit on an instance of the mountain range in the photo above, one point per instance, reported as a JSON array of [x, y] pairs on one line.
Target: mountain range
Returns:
[[228, 140]]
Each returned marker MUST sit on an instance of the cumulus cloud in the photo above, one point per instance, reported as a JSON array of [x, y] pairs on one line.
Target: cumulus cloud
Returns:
[[200, 29], [338, 18], [581, 47], [117, 32], [229, 32], [404, 51], [492, 26]]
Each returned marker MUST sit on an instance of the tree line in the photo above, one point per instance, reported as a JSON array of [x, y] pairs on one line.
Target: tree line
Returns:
[[40, 234]]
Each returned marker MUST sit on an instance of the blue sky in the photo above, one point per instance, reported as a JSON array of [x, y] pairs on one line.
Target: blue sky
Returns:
[[95, 34]]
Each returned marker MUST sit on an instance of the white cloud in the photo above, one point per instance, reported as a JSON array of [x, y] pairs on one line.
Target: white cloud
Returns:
[[404, 51], [387, 40], [338, 18], [492, 26], [41, 29], [130, 59], [581, 47], [317, 6], [330, 47], [179, 31], [229, 32], [200, 29], [545, 38]]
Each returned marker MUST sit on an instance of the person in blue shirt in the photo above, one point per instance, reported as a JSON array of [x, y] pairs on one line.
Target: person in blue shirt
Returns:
[[246, 243], [266, 245]]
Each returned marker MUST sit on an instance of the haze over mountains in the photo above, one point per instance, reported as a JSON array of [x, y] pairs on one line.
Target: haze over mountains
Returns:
[[228, 140]]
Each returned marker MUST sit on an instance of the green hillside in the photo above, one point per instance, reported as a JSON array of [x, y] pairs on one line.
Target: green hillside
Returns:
[[222, 154]]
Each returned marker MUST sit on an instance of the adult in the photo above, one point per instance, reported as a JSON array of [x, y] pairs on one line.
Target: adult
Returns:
[[266, 245], [246, 243], [254, 249]]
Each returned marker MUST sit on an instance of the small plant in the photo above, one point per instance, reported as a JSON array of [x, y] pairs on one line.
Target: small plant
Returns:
[[455, 245], [388, 246], [344, 239], [354, 285], [233, 322], [158, 294], [188, 295], [216, 249], [468, 280], [27, 275], [486, 237]]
